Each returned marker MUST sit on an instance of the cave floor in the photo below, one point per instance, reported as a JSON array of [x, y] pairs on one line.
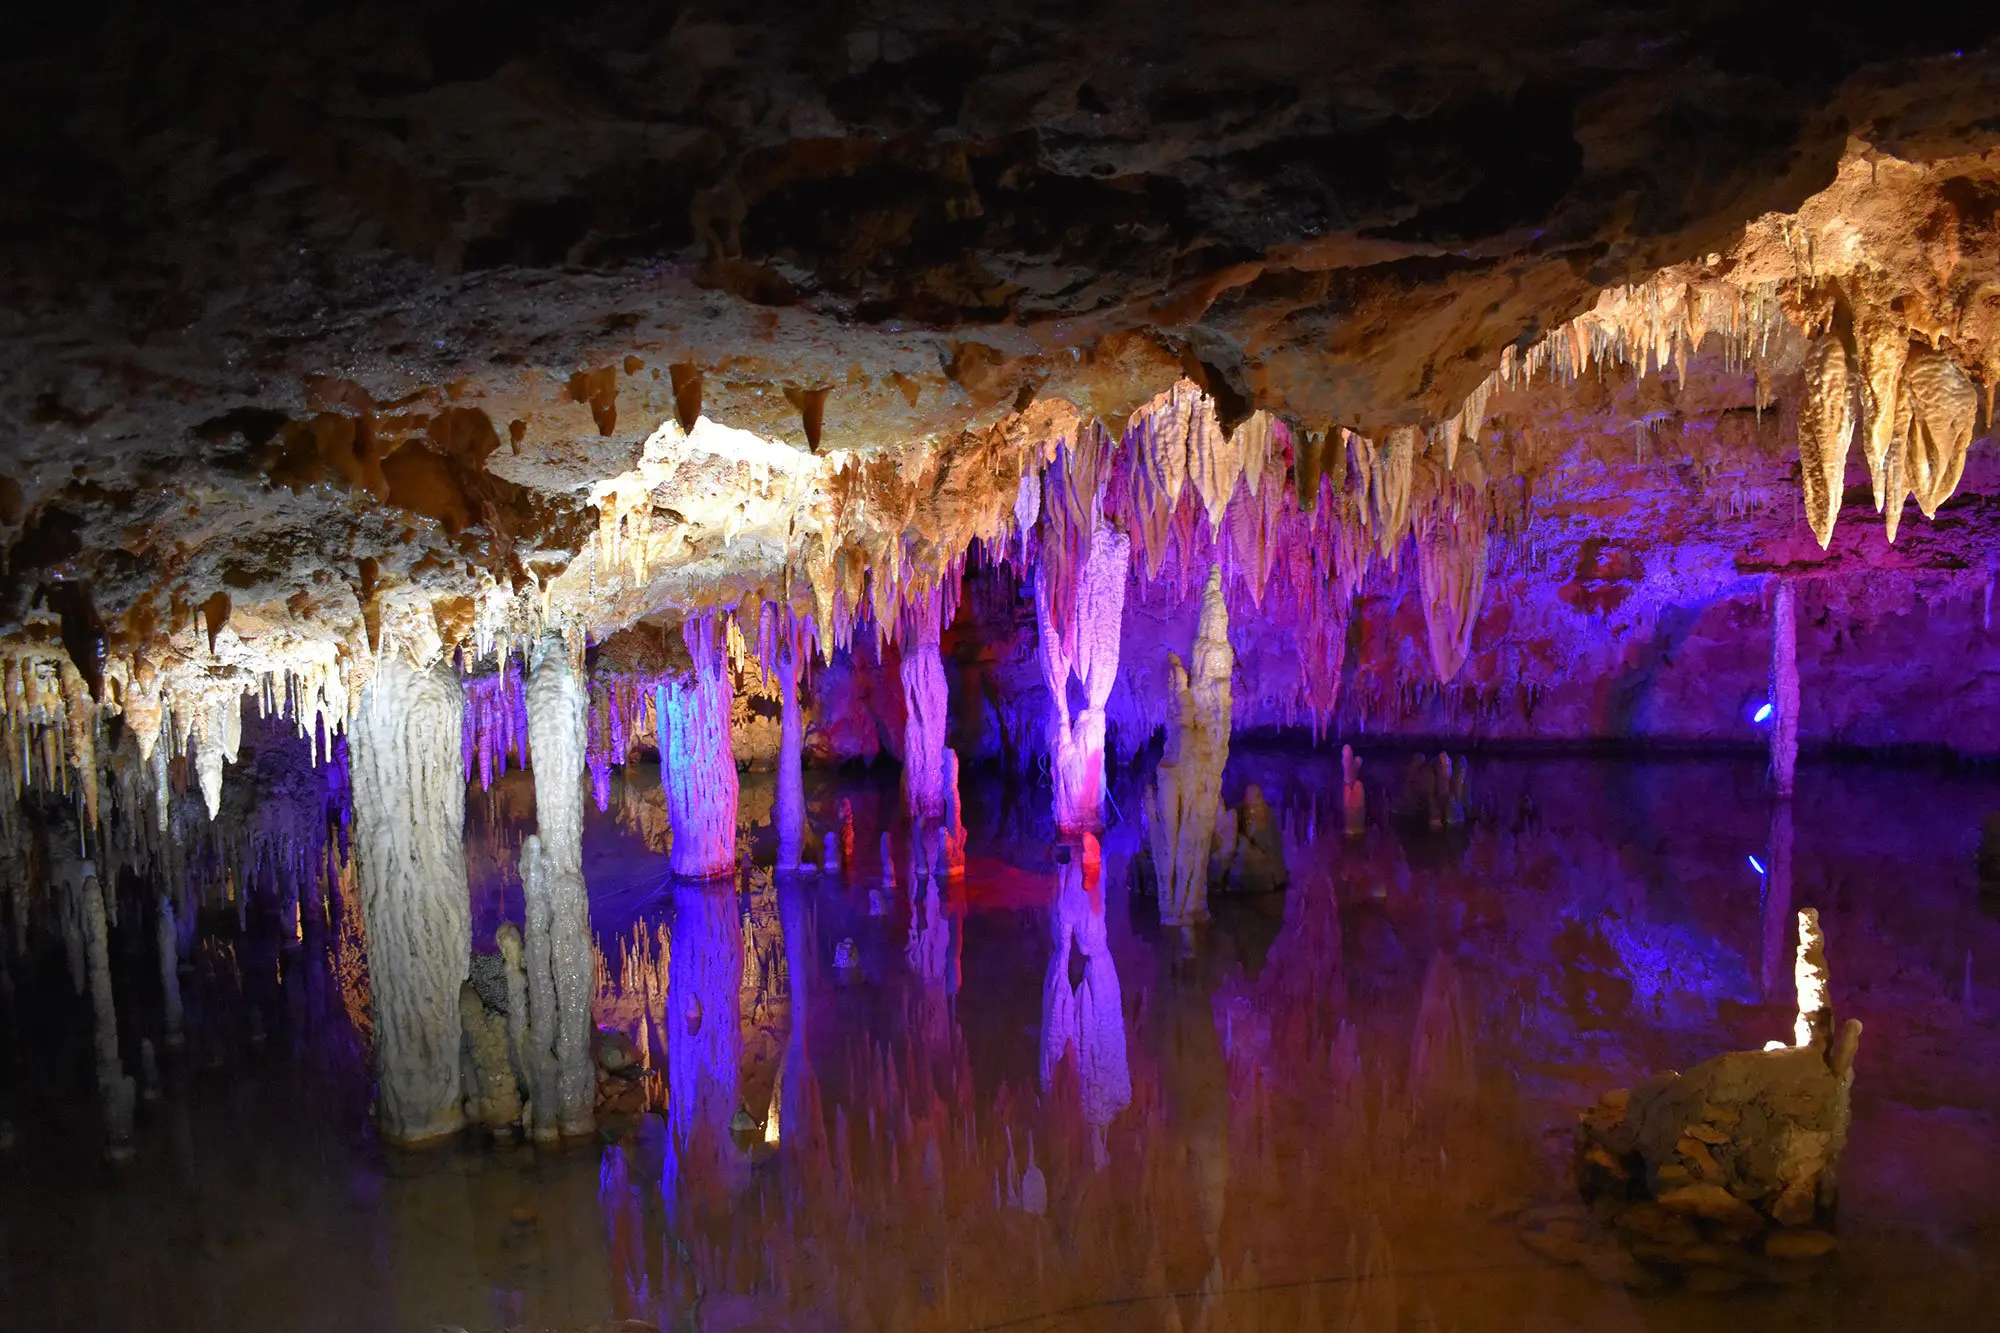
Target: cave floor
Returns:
[[1341, 1105]]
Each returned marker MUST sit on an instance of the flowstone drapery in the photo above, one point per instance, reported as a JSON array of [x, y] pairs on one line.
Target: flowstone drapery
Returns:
[[409, 822], [1181, 808], [559, 957], [1090, 654], [697, 763]]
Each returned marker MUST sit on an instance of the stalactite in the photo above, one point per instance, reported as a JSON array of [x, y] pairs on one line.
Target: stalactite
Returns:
[[552, 880], [409, 816], [1881, 346], [1089, 652], [1826, 430], [1451, 571], [1181, 813], [924, 705], [697, 765], [1784, 688], [1937, 411]]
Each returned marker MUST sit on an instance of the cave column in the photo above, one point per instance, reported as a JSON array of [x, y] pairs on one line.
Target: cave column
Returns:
[[790, 814], [1180, 814], [558, 955], [697, 763], [409, 815], [1784, 689], [113, 1085], [166, 937], [924, 704], [1090, 653]]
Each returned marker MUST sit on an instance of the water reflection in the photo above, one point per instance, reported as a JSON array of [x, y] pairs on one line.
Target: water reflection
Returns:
[[1026, 1104]]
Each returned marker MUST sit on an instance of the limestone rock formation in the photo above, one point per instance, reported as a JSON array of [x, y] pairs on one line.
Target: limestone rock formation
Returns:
[[1182, 806], [409, 814], [1733, 1164]]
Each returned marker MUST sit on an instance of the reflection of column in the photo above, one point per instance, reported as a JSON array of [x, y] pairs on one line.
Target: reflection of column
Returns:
[[704, 981], [1784, 689], [1776, 961], [1089, 1015], [559, 956], [409, 818], [796, 1122], [697, 765], [1195, 1084]]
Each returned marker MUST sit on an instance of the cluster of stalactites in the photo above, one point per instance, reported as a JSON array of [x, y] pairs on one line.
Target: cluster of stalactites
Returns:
[[1915, 409]]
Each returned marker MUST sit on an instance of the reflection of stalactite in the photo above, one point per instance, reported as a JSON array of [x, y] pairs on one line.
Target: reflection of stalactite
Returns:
[[1777, 905], [1088, 1016], [1784, 688], [558, 912], [924, 705], [1441, 1051], [1180, 816], [1088, 649], [697, 766], [704, 987], [409, 806], [1451, 569]]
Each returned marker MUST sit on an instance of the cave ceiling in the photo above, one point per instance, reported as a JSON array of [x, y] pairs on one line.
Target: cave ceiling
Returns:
[[441, 324]]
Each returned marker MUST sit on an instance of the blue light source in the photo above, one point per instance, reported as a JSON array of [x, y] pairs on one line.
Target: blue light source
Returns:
[[1763, 713], [1756, 865]]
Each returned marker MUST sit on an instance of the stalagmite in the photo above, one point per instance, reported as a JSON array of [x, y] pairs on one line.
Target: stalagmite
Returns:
[[558, 912], [1353, 796], [1076, 745], [409, 818], [1826, 430], [117, 1090], [924, 706], [1181, 811], [697, 765], [1814, 1023], [1784, 688]]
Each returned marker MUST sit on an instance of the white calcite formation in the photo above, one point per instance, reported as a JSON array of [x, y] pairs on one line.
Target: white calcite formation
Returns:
[[409, 819], [924, 704], [559, 958], [1086, 650], [1181, 808]]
